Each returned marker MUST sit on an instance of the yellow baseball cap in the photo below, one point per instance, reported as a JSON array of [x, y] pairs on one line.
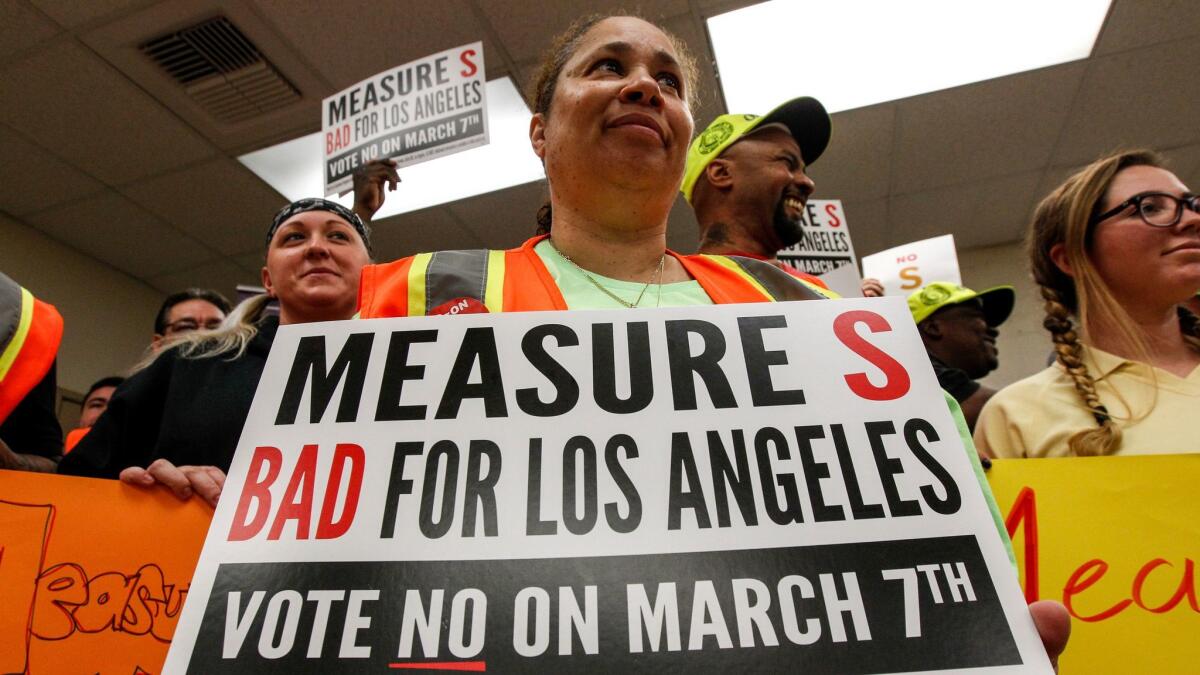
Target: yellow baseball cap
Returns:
[[997, 302], [805, 117]]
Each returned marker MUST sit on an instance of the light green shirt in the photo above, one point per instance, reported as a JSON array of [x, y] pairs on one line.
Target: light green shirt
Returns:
[[580, 292]]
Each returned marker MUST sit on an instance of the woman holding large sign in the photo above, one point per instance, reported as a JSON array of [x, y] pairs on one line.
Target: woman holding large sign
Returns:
[[177, 420], [1116, 248], [612, 125]]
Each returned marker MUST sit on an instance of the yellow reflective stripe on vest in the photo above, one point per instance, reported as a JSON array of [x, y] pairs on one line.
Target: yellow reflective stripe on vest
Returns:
[[416, 284], [832, 295], [9, 356], [493, 293], [732, 266]]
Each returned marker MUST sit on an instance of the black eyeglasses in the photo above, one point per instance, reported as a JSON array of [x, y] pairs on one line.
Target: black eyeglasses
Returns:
[[1157, 209]]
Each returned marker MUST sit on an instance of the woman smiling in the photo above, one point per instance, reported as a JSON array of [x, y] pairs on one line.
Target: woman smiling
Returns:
[[177, 420]]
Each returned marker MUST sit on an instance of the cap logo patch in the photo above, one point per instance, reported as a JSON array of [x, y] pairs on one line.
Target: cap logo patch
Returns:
[[714, 136], [934, 295]]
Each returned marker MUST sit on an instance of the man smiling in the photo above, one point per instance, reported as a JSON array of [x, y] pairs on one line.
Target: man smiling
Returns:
[[746, 179], [958, 327]]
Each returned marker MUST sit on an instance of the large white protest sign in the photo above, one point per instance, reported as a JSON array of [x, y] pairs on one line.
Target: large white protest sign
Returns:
[[412, 113], [906, 268], [737, 488], [824, 245]]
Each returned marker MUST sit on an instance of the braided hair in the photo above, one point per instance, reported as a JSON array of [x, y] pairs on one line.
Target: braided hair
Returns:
[[1105, 438], [1064, 219]]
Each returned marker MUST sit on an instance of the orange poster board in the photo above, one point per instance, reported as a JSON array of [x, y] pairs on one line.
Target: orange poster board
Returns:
[[93, 573], [1116, 540]]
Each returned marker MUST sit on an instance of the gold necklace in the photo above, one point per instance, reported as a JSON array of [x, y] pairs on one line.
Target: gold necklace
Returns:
[[625, 303]]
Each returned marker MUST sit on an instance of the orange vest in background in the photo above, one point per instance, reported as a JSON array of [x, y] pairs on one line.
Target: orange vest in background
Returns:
[[516, 280], [73, 438], [30, 333]]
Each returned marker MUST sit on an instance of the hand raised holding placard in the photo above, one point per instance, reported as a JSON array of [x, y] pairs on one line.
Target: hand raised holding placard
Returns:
[[368, 186]]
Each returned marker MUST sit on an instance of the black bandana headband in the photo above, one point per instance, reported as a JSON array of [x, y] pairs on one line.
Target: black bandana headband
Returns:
[[317, 204]]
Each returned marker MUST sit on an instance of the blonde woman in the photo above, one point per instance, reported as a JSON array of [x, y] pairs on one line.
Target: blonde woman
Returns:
[[177, 420], [1116, 250]]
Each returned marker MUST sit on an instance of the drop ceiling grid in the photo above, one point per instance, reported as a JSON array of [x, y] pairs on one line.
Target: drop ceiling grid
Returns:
[[883, 160]]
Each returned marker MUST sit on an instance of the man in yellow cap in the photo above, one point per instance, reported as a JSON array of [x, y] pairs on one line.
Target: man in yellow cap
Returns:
[[746, 179], [958, 327]]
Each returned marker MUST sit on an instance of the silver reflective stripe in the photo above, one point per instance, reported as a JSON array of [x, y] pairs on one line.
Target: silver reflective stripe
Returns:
[[10, 310], [455, 274], [781, 285]]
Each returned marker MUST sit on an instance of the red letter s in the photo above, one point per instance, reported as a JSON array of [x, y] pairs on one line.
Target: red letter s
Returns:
[[831, 211], [466, 59], [897, 382]]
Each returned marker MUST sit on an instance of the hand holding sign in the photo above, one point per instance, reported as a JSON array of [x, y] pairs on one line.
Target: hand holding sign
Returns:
[[184, 481], [369, 194]]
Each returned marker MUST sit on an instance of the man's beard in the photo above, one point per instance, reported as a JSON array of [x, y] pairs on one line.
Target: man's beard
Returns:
[[788, 231]]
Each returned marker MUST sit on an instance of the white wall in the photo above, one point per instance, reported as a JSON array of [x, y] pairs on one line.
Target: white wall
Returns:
[[108, 316], [1024, 345]]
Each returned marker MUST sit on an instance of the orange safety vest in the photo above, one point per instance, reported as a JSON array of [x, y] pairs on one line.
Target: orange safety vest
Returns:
[[516, 280], [73, 438], [30, 333]]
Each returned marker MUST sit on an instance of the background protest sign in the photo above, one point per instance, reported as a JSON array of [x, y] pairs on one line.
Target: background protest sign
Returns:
[[1114, 539], [595, 491], [93, 573], [906, 268], [825, 246], [844, 281], [412, 113]]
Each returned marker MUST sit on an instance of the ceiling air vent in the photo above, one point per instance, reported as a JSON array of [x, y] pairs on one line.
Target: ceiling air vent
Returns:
[[222, 70]]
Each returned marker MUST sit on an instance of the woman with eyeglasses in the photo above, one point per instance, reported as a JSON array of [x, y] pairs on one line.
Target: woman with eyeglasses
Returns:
[[176, 421], [1116, 251]]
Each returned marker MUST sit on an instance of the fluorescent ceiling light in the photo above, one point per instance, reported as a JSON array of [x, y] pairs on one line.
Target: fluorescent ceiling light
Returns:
[[294, 167], [853, 53]]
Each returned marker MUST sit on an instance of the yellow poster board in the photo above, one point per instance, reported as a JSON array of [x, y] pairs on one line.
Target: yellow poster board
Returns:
[[1116, 540], [93, 573]]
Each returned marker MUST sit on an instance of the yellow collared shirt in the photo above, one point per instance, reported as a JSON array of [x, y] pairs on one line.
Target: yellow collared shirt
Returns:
[[1035, 417]]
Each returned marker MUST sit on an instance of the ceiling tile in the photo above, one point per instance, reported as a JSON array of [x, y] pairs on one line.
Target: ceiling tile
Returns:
[[222, 276], [219, 202], [981, 130], [118, 232], [1137, 23], [1132, 99], [69, 101], [1185, 162], [979, 213], [422, 231], [714, 7], [71, 14], [397, 32], [868, 223], [501, 219], [33, 179], [526, 28], [858, 162], [22, 27]]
